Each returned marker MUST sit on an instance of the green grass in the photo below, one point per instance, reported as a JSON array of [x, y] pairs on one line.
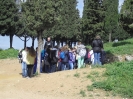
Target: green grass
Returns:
[[9, 53], [82, 92], [77, 75], [119, 48], [119, 79]]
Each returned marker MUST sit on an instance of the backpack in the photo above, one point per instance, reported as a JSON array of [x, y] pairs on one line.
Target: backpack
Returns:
[[89, 55], [82, 52], [62, 55]]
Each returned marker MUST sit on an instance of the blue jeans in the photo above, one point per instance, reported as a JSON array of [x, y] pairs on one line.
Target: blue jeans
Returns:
[[59, 66], [52, 68], [63, 66], [24, 69], [34, 68], [71, 65], [97, 58]]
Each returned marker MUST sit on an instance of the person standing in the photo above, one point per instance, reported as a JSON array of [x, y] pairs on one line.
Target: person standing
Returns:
[[97, 46], [24, 65], [31, 54], [81, 52], [48, 44]]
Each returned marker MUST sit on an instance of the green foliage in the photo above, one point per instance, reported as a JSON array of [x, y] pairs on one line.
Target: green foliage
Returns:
[[93, 20], [9, 53], [90, 88], [119, 48], [111, 19], [119, 79], [77, 75], [82, 92], [127, 16], [68, 26], [8, 12]]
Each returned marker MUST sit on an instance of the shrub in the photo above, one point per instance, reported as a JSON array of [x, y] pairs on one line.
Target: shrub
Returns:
[[119, 79], [8, 53]]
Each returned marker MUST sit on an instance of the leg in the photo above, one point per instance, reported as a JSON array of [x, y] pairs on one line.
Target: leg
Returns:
[[95, 58], [79, 62], [25, 69], [30, 70], [82, 61], [62, 66], [71, 65], [98, 59]]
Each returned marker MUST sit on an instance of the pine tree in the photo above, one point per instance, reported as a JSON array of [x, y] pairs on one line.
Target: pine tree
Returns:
[[39, 16], [111, 19], [8, 12], [92, 21], [67, 28], [127, 17]]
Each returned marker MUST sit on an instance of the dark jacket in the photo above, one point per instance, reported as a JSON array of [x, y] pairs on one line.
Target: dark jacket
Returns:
[[97, 45], [48, 44]]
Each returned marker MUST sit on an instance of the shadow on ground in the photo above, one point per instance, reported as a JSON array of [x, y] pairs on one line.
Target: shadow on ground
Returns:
[[120, 44]]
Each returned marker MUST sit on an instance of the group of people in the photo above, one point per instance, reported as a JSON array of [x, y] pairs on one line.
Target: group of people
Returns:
[[65, 58]]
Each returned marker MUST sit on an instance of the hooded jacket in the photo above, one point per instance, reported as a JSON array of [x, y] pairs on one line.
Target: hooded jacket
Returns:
[[97, 45]]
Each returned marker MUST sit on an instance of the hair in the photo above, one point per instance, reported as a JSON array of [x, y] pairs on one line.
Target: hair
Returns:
[[97, 37], [32, 51]]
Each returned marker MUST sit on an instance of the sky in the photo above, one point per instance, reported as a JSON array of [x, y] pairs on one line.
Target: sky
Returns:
[[18, 44]]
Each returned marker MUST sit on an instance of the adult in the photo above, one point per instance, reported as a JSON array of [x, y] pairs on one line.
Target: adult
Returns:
[[48, 43], [97, 46], [24, 65], [81, 52], [31, 54]]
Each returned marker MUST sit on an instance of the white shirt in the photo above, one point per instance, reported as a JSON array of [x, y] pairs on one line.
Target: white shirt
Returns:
[[24, 55], [92, 55]]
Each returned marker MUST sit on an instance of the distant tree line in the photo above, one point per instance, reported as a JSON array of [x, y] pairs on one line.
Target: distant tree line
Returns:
[[60, 20]]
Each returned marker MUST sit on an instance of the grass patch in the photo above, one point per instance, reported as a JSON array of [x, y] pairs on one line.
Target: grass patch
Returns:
[[90, 88], [8, 53], [119, 79], [95, 73], [77, 75], [82, 92], [119, 48]]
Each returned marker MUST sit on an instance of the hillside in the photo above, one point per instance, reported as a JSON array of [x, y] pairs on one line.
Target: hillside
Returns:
[[59, 85]]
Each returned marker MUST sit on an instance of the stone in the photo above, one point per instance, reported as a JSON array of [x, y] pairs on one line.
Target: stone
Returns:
[[128, 58]]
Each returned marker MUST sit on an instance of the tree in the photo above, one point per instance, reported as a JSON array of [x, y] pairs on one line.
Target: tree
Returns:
[[8, 12], [67, 28], [92, 20], [127, 17], [111, 19], [40, 15]]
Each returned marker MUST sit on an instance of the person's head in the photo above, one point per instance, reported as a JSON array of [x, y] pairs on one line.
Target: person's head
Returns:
[[32, 52], [79, 42], [97, 37], [48, 39]]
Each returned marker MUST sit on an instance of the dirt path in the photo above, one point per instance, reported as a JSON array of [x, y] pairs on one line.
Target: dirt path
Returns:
[[59, 85]]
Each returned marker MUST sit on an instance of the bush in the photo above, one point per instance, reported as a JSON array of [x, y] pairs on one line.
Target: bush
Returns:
[[8, 53], [119, 79]]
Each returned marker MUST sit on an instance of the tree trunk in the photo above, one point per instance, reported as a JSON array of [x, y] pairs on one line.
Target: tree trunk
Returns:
[[39, 51], [25, 41], [33, 39], [110, 34], [11, 40]]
